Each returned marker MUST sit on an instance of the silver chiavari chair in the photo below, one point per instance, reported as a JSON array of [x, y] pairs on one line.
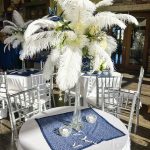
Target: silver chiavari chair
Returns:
[[45, 89], [131, 94], [3, 94], [102, 84], [3, 84], [70, 96], [119, 104], [22, 106]]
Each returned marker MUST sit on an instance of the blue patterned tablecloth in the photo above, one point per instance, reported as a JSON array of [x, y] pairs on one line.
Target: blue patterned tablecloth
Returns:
[[26, 72], [9, 59], [106, 74], [95, 133]]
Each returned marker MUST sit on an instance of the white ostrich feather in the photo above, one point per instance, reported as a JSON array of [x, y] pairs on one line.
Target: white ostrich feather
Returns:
[[15, 30], [10, 39], [100, 54], [7, 22], [38, 42], [128, 18], [16, 43], [36, 25], [13, 40], [18, 19], [27, 23], [50, 63], [33, 47], [8, 29], [55, 54], [7, 46], [77, 10], [69, 68], [48, 68], [77, 15], [75, 4], [104, 3], [111, 45], [107, 19]]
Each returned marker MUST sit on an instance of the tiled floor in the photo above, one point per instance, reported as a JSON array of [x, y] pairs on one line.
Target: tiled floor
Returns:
[[140, 141]]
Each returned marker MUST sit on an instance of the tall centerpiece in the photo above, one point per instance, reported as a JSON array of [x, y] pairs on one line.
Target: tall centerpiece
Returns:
[[81, 30], [14, 30]]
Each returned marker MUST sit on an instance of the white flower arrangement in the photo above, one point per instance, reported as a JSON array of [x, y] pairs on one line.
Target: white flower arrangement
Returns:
[[15, 30], [81, 29]]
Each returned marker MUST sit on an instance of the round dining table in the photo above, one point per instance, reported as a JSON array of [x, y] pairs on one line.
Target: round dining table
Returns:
[[31, 137]]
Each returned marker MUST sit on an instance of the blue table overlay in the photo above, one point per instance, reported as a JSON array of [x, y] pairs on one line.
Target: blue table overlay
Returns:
[[9, 59], [91, 134], [26, 72], [102, 74]]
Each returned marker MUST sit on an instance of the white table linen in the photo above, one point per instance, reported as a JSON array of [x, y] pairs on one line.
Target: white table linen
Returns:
[[31, 138], [18, 82]]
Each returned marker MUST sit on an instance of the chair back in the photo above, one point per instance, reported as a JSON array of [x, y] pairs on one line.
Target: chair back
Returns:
[[103, 84], [126, 106], [22, 106], [3, 84], [45, 88], [38, 80], [140, 80]]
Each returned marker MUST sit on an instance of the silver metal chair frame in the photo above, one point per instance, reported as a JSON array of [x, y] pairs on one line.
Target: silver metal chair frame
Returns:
[[45, 89], [124, 106], [22, 106], [3, 92], [132, 92], [106, 82]]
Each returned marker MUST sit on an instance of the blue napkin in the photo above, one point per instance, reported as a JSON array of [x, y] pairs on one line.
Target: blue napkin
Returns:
[[100, 131]]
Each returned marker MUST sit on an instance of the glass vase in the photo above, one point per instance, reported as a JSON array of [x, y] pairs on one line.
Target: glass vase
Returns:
[[76, 119]]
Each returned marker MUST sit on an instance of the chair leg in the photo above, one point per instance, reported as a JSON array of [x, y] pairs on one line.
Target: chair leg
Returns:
[[69, 99], [137, 115], [53, 99], [44, 107]]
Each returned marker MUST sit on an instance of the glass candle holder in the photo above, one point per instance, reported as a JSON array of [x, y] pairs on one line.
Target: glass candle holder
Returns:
[[91, 118], [65, 131]]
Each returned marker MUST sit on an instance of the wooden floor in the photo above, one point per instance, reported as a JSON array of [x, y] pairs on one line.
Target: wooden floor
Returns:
[[140, 141]]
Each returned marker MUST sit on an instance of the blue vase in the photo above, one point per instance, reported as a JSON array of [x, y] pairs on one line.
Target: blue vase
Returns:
[[85, 64]]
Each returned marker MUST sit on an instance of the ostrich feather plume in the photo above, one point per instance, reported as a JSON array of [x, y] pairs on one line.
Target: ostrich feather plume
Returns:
[[111, 45], [36, 25], [18, 19], [15, 30], [78, 30], [127, 18], [48, 68], [104, 3], [9, 29], [107, 19], [69, 68], [7, 22]]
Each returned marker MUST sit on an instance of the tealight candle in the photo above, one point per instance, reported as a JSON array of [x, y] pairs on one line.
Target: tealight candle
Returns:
[[91, 118], [65, 131]]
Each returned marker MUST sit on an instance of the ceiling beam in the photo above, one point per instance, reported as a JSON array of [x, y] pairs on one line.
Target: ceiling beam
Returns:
[[126, 8]]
